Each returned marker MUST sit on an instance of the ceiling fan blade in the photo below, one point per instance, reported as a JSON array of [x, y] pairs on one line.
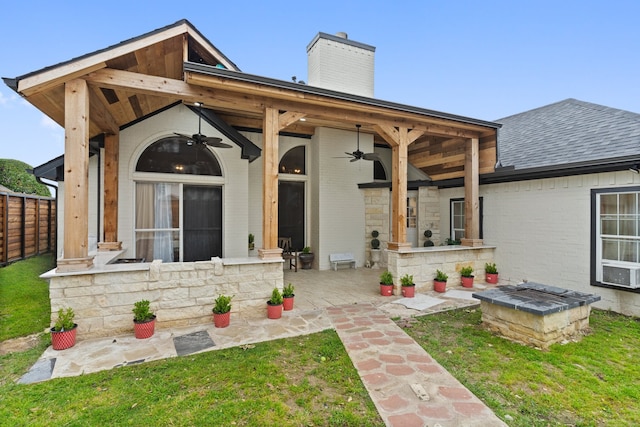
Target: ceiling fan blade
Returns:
[[182, 135], [355, 159], [371, 156], [213, 141]]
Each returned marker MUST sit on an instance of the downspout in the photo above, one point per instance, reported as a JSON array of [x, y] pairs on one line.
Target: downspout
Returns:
[[98, 213], [498, 162]]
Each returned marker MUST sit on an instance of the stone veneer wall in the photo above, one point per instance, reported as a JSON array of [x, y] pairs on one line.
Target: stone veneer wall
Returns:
[[429, 214], [422, 263], [376, 210], [532, 329], [181, 294]]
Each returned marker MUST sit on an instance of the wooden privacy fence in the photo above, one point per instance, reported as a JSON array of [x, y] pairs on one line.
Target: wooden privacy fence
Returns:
[[27, 226]]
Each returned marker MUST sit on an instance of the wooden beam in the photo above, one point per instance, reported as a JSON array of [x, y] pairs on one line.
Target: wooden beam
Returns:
[[57, 75], [270, 185], [111, 160], [100, 114], [472, 195], [76, 178], [230, 95], [288, 118], [399, 190]]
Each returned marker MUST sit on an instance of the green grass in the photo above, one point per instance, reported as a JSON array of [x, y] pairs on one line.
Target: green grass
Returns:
[[283, 382], [590, 383], [24, 297]]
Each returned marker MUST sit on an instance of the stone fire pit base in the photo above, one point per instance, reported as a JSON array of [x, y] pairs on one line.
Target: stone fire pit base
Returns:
[[536, 314]]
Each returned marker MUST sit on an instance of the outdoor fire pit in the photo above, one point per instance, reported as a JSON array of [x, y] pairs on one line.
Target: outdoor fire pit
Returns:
[[536, 314]]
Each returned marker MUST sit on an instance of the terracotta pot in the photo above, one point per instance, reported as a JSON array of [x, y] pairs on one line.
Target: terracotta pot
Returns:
[[61, 340], [221, 320], [409, 291], [439, 286], [274, 311], [386, 290], [467, 282], [287, 303], [143, 330], [491, 278]]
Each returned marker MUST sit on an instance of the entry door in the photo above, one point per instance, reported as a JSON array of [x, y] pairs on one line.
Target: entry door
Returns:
[[412, 218], [291, 212], [202, 222]]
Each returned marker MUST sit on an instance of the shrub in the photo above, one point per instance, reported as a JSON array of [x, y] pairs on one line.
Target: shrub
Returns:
[[407, 280], [222, 304], [276, 297], [466, 271], [440, 276], [65, 320], [141, 311], [490, 268], [386, 278], [287, 291]]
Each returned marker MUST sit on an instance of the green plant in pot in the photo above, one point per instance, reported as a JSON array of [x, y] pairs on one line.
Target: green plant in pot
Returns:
[[144, 321], [386, 283], [467, 276], [491, 273], [375, 249], [440, 281], [274, 305], [408, 286], [287, 297], [222, 311], [306, 258], [251, 242], [63, 332]]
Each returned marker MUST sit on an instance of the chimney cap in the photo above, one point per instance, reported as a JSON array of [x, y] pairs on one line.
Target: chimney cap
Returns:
[[342, 35]]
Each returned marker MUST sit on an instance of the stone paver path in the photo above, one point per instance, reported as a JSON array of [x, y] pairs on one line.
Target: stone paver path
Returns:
[[408, 387]]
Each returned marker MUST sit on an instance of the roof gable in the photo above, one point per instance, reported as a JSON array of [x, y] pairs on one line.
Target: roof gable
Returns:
[[566, 132]]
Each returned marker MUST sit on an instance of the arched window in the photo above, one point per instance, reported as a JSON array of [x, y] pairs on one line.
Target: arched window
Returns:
[[293, 161], [378, 171], [173, 155]]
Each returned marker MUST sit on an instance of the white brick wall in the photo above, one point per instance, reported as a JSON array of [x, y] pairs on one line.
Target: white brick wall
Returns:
[[341, 65], [337, 200], [541, 230]]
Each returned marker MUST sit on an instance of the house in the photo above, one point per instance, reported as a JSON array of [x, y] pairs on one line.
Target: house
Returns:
[[563, 208], [192, 155]]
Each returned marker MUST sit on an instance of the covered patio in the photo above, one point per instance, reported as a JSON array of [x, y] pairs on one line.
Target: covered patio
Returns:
[[103, 93]]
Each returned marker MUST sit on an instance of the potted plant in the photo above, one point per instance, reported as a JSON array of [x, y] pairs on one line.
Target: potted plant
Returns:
[[491, 273], [440, 281], [274, 305], [386, 284], [222, 311], [251, 242], [63, 333], [144, 321], [287, 297], [408, 287], [306, 258], [467, 276]]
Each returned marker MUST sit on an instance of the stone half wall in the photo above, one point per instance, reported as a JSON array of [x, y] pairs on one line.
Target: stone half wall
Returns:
[[422, 264], [181, 294]]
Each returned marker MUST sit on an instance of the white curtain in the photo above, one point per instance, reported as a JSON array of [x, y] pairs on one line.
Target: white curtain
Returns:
[[162, 242]]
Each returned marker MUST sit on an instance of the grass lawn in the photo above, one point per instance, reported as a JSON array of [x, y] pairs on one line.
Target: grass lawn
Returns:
[[24, 297], [302, 381], [590, 383]]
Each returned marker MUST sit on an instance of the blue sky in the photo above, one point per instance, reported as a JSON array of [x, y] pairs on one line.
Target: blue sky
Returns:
[[481, 59]]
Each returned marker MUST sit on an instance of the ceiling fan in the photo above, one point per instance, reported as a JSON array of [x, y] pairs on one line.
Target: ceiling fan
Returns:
[[199, 138], [357, 155]]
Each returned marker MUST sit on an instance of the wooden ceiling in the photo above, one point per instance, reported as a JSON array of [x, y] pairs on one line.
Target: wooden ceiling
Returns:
[[138, 77]]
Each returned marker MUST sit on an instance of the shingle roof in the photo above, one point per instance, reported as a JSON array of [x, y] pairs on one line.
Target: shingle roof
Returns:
[[567, 132]]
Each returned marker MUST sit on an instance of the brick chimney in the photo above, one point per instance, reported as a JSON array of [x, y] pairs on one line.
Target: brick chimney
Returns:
[[337, 63]]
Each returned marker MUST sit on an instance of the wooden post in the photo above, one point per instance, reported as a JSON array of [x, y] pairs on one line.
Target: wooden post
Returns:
[[270, 185], [111, 156], [76, 178], [472, 194], [399, 156]]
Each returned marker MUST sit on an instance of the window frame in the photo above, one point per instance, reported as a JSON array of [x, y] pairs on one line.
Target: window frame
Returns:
[[596, 260], [451, 210]]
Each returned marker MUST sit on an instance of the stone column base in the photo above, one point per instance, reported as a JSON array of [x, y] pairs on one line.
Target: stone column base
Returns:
[[474, 243], [398, 246], [109, 246], [270, 253], [66, 265]]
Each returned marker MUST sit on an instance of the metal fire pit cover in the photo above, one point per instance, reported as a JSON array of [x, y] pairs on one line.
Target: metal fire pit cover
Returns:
[[536, 298]]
